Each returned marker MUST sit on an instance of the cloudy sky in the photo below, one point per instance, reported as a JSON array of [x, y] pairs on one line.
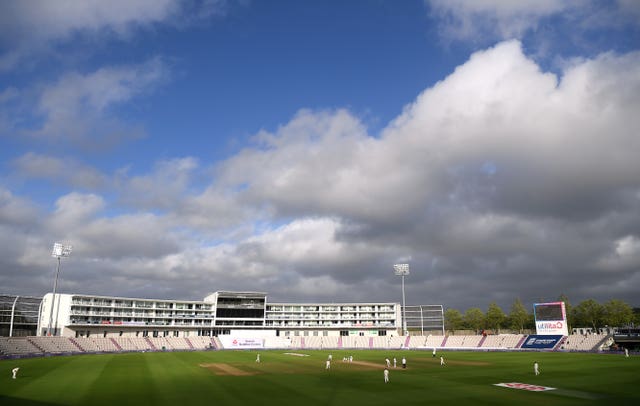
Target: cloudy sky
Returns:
[[303, 148]]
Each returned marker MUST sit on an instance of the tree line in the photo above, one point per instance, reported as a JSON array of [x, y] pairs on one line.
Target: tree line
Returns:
[[588, 313]]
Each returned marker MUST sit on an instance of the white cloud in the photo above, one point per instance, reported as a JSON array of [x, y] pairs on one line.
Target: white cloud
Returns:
[[14, 210], [59, 170], [466, 19], [323, 163], [140, 236], [540, 22], [624, 256], [500, 152], [501, 171], [304, 241], [74, 210], [543, 136], [78, 106], [215, 212], [60, 19], [35, 27], [540, 134], [163, 188], [630, 8]]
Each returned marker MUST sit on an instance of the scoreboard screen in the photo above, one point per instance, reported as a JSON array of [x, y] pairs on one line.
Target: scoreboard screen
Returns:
[[549, 311], [551, 318]]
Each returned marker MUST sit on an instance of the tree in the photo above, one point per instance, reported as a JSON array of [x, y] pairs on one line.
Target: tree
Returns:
[[495, 317], [518, 317], [531, 322], [589, 313], [453, 320], [474, 319], [617, 313]]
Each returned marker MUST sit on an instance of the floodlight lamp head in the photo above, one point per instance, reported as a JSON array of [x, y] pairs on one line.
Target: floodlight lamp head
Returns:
[[401, 269], [61, 250]]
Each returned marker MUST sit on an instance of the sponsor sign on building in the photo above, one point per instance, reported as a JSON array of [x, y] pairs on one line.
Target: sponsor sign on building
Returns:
[[551, 327], [541, 341], [241, 343]]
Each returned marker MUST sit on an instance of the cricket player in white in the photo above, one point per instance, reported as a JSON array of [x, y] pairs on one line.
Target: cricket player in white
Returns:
[[536, 369], [386, 375], [388, 362], [442, 361], [258, 358], [404, 362], [626, 352], [328, 365], [14, 372], [394, 362]]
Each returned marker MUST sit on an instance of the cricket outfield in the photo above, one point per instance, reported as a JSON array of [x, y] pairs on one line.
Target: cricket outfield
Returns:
[[301, 378]]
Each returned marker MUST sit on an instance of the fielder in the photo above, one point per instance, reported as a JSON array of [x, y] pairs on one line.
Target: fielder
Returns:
[[328, 365], [258, 358], [442, 363], [14, 372], [536, 368], [386, 375], [388, 362]]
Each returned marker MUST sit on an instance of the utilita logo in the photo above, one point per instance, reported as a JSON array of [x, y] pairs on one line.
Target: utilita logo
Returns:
[[547, 326]]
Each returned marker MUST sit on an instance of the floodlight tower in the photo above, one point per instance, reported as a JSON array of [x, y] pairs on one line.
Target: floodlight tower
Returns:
[[402, 270], [59, 250]]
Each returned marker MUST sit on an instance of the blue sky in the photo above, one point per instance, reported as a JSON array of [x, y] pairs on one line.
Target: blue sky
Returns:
[[302, 148]]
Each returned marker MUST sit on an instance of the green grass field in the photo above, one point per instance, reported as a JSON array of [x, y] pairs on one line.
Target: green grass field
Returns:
[[234, 378]]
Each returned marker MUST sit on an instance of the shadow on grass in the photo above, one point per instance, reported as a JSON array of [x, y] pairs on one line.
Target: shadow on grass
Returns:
[[11, 401]]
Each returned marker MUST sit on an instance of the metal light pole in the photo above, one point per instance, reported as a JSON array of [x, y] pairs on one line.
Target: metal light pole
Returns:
[[59, 251], [13, 311], [402, 270]]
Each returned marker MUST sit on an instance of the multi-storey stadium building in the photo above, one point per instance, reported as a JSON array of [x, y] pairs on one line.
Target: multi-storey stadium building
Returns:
[[245, 314]]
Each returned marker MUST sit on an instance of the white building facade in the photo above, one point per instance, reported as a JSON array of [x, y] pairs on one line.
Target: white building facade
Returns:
[[246, 314]]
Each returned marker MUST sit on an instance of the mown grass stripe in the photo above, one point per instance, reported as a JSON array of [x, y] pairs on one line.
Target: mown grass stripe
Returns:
[[170, 378]]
